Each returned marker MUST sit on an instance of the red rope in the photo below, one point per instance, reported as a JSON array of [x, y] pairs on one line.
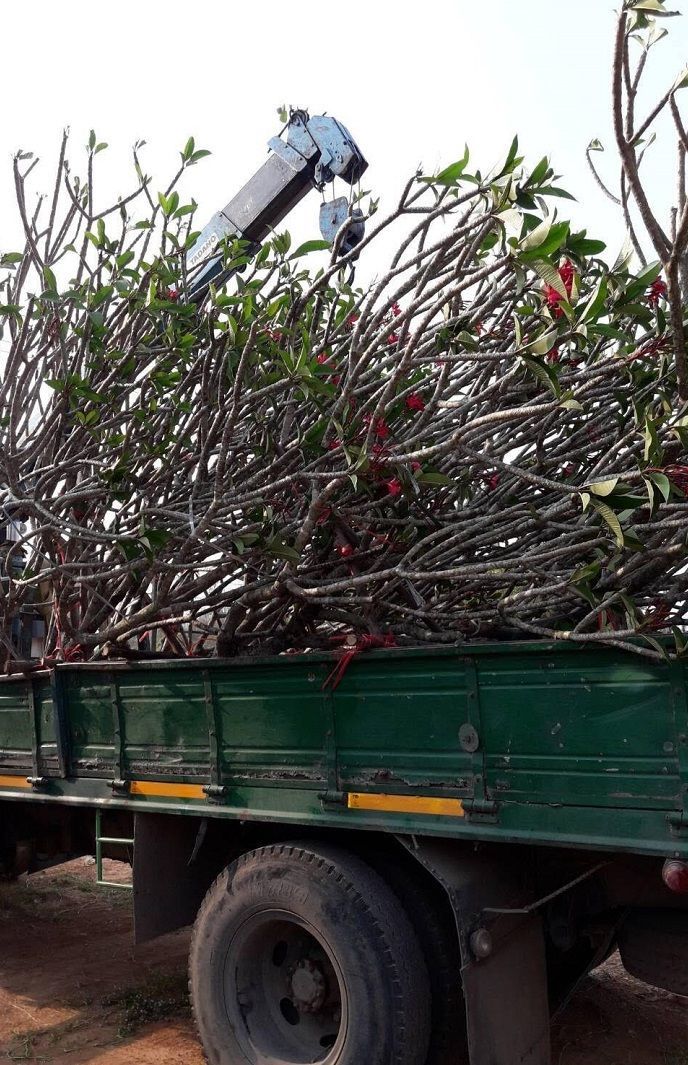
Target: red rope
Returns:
[[363, 643]]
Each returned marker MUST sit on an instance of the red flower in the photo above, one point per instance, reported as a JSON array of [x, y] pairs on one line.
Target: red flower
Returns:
[[352, 319], [394, 486], [478, 326], [381, 429], [321, 358], [492, 481], [323, 516], [415, 402], [274, 334], [657, 616], [553, 354], [415, 466], [393, 338], [173, 294], [679, 475], [552, 296], [396, 310], [552, 299], [345, 550], [658, 290], [566, 275], [335, 381], [334, 444]]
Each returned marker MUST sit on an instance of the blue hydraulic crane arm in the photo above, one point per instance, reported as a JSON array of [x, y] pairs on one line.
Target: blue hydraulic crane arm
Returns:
[[315, 151]]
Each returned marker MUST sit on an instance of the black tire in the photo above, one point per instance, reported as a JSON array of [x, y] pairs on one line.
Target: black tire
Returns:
[[435, 930], [301, 953]]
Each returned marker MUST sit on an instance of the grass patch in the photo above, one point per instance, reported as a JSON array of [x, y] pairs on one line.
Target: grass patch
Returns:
[[677, 1057], [21, 1048], [163, 995]]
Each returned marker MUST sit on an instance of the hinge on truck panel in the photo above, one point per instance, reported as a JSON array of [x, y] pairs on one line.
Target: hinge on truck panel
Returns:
[[215, 792], [484, 811], [37, 782], [678, 822], [117, 729]]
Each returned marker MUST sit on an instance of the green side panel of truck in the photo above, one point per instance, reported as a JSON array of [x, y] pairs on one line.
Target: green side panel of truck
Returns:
[[551, 743]]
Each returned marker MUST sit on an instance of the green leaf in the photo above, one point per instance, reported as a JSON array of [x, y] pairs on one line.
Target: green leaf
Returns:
[[655, 8], [197, 156], [451, 174], [650, 494], [101, 295], [608, 515], [624, 257], [279, 549], [188, 149], [662, 482], [309, 246], [544, 240], [591, 310], [544, 343], [579, 244], [550, 275], [603, 488], [590, 571], [49, 279], [553, 190], [511, 157], [124, 259], [10, 258], [595, 146], [434, 478], [539, 172], [545, 374]]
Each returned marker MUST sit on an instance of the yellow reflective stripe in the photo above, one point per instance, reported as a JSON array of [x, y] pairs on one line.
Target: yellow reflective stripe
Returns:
[[13, 782], [406, 804], [171, 791]]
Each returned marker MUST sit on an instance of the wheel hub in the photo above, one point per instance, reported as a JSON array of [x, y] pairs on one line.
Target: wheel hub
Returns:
[[308, 986]]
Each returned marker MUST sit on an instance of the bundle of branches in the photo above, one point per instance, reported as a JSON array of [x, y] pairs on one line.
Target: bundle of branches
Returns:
[[490, 438]]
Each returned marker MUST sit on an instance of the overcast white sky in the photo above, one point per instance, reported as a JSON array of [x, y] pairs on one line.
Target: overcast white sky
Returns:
[[412, 83]]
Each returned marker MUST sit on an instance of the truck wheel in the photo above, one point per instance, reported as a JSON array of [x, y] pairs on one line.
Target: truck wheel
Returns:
[[436, 932], [301, 953]]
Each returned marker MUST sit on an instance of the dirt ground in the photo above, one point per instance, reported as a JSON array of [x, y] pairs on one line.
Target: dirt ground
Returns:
[[74, 989]]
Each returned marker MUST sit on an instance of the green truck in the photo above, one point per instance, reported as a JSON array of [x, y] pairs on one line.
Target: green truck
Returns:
[[412, 861]]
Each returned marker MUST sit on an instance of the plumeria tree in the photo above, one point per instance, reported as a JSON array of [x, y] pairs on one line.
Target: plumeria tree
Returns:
[[490, 439]]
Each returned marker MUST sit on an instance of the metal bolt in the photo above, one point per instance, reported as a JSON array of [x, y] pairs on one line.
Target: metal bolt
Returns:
[[481, 943]]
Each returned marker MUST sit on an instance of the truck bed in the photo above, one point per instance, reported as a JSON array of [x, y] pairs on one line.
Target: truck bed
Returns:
[[533, 742]]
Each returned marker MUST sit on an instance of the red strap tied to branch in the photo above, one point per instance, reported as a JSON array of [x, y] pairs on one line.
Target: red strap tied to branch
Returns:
[[363, 643]]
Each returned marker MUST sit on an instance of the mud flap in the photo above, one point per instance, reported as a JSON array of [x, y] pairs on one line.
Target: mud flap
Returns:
[[506, 998], [171, 873], [503, 964]]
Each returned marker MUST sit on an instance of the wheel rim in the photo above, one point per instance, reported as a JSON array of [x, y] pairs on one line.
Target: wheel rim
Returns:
[[284, 992]]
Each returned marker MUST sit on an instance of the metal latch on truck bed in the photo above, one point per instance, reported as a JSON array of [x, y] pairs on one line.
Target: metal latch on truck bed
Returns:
[[678, 822]]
